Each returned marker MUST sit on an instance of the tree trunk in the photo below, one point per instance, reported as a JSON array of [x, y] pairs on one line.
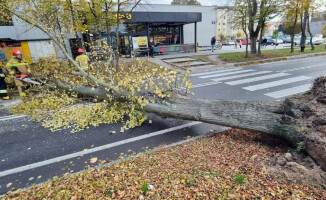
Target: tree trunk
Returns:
[[303, 31], [117, 37], [293, 31], [260, 38], [310, 34], [247, 53], [299, 120], [253, 45]]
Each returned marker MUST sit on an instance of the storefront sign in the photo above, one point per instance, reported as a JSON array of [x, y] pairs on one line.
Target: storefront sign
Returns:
[[139, 42], [10, 44], [124, 16]]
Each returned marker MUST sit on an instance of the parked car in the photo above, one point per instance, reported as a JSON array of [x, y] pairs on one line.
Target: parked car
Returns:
[[231, 42], [278, 41], [271, 42], [244, 42], [315, 41], [286, 40], [224, 43]]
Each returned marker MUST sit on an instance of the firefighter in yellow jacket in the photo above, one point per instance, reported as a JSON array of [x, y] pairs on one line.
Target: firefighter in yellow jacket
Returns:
[[3, 84], [82, 60], [18, 68]]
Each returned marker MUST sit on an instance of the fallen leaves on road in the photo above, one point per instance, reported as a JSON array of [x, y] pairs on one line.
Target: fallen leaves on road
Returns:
[[93, 160], [228, 165], [8, 185]]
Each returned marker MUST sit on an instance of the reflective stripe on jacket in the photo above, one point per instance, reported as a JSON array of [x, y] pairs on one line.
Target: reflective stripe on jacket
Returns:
[[15, 64]]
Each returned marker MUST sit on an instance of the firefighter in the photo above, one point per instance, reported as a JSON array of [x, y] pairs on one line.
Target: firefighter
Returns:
[[18, 68], [3, 85], [82, 59]]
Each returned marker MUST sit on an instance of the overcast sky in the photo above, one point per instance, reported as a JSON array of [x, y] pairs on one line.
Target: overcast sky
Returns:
[[203, 2]]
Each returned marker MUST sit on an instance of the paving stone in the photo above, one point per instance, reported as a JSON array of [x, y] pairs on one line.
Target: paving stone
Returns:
[[193, 64], [177, 60]]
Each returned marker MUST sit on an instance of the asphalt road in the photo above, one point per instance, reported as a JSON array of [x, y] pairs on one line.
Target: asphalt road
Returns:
[[30, 154], [265, 82]]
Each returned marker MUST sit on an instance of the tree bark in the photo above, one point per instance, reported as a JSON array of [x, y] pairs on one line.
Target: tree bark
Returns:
[[310, 34], [293, 31], [285, 118], [260, 38], [303, 31]]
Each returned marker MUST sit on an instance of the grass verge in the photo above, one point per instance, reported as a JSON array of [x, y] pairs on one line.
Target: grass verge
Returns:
[[267, 54], [228, 165]]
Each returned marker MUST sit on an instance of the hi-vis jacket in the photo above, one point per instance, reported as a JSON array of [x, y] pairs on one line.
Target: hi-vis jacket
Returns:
[[16, 66], [82, 61]]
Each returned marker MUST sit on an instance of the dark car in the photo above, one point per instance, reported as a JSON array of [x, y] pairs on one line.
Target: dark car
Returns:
[[271, 42]]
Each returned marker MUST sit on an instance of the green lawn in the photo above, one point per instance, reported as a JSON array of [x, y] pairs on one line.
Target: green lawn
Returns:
[[239, 56]]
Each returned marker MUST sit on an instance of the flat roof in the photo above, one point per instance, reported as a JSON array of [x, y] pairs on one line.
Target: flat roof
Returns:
[[164, 17]]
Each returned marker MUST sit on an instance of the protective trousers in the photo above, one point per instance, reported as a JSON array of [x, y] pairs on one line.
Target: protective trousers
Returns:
[[22, 87], [3, 85]]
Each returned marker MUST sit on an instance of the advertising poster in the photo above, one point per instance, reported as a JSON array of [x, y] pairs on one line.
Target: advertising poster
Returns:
[[139, 42]]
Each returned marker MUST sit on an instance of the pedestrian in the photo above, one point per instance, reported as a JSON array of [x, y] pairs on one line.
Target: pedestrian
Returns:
[[151, 47], [220, 44], [82, 60], [19, 68], [264, 43], [3, 84], [240, 43], [213, 41], [235, 44]]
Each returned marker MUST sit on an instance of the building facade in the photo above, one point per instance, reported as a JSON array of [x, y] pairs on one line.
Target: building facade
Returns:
[[206, 28], [172, 26], [226, 29], [31, 41]]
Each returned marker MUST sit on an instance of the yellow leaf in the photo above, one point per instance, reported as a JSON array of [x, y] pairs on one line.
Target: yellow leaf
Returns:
[[183, 181], [93, 160], [8, 185]]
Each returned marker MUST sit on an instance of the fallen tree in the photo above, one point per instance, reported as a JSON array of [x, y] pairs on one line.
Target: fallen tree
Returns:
[[300, 120]]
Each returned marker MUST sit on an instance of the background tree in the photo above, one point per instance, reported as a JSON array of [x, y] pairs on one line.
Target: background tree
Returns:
[[259, 12], [289, 28], [186, 2], [241, 19]]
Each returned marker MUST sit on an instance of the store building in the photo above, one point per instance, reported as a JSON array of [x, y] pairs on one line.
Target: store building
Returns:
[[32, 42], [173, 28]]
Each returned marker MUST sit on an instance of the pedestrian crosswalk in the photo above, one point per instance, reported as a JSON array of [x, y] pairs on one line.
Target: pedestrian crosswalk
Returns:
[[279, 84]]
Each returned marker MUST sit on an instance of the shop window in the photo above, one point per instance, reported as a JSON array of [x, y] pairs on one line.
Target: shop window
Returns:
[[165, 35]]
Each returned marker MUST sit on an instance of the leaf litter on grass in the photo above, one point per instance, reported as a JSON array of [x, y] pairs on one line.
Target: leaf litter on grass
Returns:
[[216, 167]]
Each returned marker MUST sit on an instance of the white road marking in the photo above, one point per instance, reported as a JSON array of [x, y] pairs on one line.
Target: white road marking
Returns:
[[213, 72], [205, 84], [227, 73], [93, 150], [289, 91], [276, 83], [240, 76], [303, 68], [260, 78], [9, 117]]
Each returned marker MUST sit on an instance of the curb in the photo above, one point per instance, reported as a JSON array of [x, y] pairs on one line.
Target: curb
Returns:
[[257, 62]]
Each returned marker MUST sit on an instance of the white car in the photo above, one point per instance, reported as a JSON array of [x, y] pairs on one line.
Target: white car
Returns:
[[231, 42], [278, 41], [315, 41]]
